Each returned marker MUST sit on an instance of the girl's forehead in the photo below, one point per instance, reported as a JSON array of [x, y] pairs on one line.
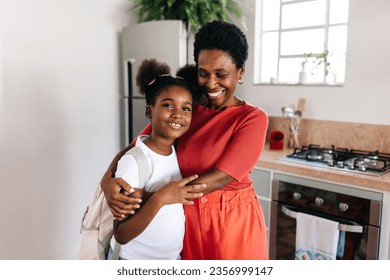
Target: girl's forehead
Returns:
[[175, 92]]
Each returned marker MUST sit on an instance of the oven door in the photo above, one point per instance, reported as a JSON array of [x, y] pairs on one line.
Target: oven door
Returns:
[[361, 241]]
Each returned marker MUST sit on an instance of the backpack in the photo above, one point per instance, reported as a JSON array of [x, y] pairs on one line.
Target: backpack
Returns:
[[97, 221]]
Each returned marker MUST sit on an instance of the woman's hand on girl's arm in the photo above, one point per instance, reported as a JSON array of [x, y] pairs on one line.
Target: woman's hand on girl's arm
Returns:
[[117, 191], [120, 201]]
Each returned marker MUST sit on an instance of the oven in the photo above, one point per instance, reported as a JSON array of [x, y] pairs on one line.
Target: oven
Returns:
[[357, 211]]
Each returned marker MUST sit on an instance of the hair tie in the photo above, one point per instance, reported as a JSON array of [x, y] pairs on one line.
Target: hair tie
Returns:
[[162, 75]]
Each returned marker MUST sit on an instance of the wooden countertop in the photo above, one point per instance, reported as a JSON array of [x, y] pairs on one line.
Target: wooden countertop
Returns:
[[269, 160]]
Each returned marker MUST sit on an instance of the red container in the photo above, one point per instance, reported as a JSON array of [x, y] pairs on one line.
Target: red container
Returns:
[[276, 138]]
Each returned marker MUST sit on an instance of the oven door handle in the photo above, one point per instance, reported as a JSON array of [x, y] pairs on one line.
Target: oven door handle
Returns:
[[342, 227]]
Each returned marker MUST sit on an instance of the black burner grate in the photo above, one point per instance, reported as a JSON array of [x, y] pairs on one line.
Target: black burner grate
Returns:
[[352, 159]]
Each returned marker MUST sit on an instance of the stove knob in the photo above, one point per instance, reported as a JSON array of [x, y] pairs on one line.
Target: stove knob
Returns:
[[331, 162], [343, 207], [319, 201], [297, 195], [340, 164], [362, 167]]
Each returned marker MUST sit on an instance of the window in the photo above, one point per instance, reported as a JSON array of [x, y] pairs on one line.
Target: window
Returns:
[[301, 41]]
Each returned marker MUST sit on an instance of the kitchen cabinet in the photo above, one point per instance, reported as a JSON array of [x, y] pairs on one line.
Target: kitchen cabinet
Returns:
[[262, 185]]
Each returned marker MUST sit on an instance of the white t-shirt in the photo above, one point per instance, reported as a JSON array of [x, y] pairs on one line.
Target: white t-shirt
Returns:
[[163, 238]]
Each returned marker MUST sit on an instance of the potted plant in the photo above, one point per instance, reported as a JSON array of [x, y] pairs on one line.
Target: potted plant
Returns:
[[194, 13], [324, 59]]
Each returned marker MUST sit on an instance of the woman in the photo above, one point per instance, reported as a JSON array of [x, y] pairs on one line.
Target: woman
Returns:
[[222, 145]]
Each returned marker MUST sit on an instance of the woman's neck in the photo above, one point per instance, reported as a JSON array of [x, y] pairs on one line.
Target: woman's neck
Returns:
[[234, 102]]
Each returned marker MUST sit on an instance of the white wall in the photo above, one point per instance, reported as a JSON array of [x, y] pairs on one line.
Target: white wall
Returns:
[[365, 96], [59, 108], [59, 118]]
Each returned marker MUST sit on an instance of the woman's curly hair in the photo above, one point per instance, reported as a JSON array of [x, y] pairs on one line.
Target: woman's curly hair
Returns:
[[221, 35], [189, 73]]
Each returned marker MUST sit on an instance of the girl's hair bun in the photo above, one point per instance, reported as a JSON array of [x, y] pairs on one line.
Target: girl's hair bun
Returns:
[[148, 71]]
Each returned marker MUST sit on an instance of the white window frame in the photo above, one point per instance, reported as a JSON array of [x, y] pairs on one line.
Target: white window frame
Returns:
[[259, 34]]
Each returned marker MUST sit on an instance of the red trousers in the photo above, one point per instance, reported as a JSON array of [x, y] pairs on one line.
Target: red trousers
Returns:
[[225, 225]]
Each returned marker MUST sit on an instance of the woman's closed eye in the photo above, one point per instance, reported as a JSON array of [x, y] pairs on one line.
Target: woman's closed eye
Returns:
[[222, 76], [217, 75]]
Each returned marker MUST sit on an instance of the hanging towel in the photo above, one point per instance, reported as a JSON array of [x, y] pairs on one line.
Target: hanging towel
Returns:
[[341, 245], [316, 238]]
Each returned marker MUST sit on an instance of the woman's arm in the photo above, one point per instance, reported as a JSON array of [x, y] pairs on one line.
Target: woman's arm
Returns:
[[241, 154], [214, 180], [176, 192], [117, 191]]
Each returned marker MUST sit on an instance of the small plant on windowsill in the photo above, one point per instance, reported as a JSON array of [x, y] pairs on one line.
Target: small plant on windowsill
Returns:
[[322, 61]]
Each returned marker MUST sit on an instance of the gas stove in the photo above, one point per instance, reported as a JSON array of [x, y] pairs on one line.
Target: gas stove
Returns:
[[358, 161]]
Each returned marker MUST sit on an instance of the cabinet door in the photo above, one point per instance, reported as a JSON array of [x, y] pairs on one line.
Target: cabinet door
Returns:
[[261, 183]]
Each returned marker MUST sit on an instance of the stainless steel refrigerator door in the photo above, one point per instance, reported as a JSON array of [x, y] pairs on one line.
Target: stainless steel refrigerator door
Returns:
[[164, 40], [139, 119]]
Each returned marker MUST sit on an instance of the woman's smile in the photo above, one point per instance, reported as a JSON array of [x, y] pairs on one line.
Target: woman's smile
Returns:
[[214, 94]]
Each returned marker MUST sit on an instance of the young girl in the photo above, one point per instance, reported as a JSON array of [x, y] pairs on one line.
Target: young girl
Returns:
[[156, 230]]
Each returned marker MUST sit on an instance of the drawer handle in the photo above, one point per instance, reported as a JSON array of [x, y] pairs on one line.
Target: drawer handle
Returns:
[[342, 227]]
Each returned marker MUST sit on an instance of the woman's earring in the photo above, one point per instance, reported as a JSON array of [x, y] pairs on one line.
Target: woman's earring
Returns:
[[240, 81]]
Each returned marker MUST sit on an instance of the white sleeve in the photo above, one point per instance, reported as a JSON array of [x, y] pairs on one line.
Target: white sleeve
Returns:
[[127, 169]]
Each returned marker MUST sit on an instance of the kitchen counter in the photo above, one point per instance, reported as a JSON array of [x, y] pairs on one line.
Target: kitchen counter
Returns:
[[269, 160]]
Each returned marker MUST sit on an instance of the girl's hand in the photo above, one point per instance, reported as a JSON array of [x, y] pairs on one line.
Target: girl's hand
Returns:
[[178, 192], [118, 196]]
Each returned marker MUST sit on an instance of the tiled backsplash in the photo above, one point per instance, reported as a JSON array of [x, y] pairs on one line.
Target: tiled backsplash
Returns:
[[341, 134]]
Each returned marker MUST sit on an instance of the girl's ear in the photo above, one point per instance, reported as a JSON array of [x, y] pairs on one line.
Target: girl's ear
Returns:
[[148, 112]]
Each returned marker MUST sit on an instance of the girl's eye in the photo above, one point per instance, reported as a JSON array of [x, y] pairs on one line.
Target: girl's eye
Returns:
[[170, 106], [187, 109]]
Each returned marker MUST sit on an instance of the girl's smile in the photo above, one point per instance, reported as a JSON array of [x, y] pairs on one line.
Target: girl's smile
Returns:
[[170, 117]]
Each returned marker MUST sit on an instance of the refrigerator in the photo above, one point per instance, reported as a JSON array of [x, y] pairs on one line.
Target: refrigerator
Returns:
[[164, 40]]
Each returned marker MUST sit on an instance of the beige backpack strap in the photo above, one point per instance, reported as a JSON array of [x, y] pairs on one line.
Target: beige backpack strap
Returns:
[[143, 165]]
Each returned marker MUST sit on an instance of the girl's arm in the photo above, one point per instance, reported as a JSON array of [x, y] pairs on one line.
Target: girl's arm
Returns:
[[176, 192]]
